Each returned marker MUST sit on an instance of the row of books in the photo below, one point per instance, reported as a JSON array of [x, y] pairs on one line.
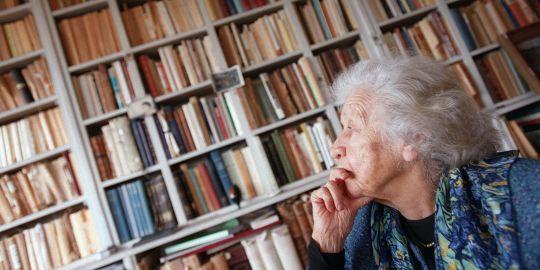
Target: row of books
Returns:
[[302, 150], [466, 82], [18, 37], [52, 244], [218, 9], [266, 38], [123, 147], [281, 93], [386, 9], [89, 36], [335, 61], [159, 19], [5, 4], [429, 37], [207, 184], [106, 89], [173, 69], [198, 123], [327, 19], [140, 208], [58, 4], [32, 135], [481, 22], [500, 75], [23, 86], [37, 187], [524, 127]]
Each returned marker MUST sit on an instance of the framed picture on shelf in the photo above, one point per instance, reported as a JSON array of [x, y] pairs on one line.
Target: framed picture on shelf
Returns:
[[523, 47]]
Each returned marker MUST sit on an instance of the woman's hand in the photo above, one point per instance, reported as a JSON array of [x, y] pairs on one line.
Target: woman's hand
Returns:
[[334, 211]]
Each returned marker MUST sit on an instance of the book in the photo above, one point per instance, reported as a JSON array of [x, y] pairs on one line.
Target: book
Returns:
[[326, 19], [218, 9], [253, 42], [387, 9], [18, 37], [335, 61], [89, 36]]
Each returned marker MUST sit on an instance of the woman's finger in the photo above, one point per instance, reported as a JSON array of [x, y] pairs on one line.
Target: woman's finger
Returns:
[[339, 173], [336, 189], [328, 200]]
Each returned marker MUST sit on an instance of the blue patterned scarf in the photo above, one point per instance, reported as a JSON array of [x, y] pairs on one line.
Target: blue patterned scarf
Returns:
[[474, 222]]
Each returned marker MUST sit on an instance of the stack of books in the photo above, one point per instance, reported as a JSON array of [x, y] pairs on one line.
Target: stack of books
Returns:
[[18, 37], [327, 19], [197, 124], [89, 36], [37, 187], [428, 37], [158, 19], [52, 244], [32, 135], [335, 61], [524, 127], [281, 93], [500, 75], [297, 213], [105, 89], [25, 85], [481, 22], [266, 38], [122, 148], [141, 208], [302, 150], [175, 68]]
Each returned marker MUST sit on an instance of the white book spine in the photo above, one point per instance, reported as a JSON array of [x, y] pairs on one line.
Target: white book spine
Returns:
[[122, 81], [232, 100], [268, 252], [194, 128], [16, 144], [253, 254], [286, 251], [272, 96]]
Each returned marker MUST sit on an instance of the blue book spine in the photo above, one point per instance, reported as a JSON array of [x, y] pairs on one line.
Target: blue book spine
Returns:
[[118, 214], [145, 207], [231, 7], [135, 202], [193, 178], [139, 143], [238, 6], [510, 14], [145, 142], [116, 89], [224, 178], [322, 21], [463, 29], [128, 207], [216, 183]]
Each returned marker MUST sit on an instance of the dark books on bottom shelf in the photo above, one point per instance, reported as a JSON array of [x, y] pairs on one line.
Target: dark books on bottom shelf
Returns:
[[123, 147], [302, 150], [141, 208]]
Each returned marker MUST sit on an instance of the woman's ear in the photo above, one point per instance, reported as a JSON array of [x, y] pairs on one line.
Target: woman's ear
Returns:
[[409, 153]]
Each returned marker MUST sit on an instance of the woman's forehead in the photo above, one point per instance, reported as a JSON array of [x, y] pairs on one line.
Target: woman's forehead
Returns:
[[356, 106]]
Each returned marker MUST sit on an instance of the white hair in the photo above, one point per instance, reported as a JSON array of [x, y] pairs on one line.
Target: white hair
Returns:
[[416, 97]]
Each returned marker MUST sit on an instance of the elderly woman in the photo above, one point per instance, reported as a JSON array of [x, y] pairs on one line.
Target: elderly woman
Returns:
[[419, 183]]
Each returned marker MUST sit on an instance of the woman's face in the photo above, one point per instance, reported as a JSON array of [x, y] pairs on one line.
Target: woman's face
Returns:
[[360, 150]]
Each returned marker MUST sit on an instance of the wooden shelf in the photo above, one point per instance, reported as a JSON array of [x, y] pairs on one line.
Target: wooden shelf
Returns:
[[21, 60], [104, 117], [408, 17], [14, 13], [272, 63], [331, 42], [34, 159], [249, 15], [289, 120], [79, 68], [453, 60], [78, 9], [190, 228], [205, 150], [27, 109], [125, 178], [41, 214], [485, 49], [506, 106], [154, 45], [190, 90]]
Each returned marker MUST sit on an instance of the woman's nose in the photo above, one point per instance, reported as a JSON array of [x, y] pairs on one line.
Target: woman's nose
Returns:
[[338, 152]]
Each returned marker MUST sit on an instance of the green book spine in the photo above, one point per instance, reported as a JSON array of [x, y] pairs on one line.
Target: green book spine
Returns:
[[283, 156]]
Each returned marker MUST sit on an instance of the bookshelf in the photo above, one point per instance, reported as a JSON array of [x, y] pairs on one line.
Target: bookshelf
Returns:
[[81, 129]]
